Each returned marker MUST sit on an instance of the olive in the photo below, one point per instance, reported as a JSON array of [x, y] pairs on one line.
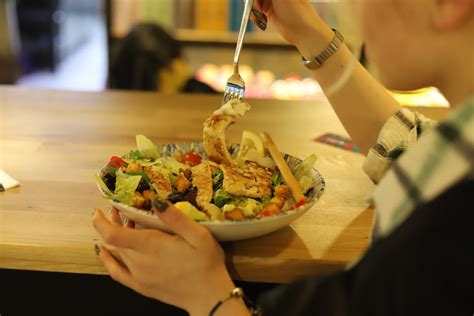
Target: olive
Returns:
[[109, 180], [143, 185]]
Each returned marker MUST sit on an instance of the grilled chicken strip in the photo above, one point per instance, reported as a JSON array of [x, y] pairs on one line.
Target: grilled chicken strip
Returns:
[[160, 178], [249, 180], [202, 180], [214, 138], [215, 127]]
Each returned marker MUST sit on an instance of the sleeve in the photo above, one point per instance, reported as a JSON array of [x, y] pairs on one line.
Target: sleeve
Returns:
[[416, 270], [398, 134]]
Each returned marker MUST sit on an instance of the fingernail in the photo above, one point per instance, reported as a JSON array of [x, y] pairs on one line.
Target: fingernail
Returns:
[[262, 25], [97, 249], [260, 21], [160, 205], [257, 14]]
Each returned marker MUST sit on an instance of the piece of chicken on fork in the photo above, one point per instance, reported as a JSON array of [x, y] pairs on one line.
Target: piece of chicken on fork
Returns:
[[215, 127]]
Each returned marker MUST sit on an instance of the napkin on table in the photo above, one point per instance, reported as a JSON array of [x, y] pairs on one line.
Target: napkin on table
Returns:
[[7, 182]]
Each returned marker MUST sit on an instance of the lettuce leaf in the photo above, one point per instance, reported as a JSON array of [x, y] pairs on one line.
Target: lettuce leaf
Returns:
[[172, 165], [147, 148], [134, 155], [277, 179], [125, 187], [221, 198], [250, 207], [305, 183], [305, 167]]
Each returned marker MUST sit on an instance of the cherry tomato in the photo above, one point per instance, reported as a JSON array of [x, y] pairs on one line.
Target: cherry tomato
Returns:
[[116, 162], [191, 158]]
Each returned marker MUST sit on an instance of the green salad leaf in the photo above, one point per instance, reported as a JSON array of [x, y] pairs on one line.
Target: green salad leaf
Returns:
[[305, 183], [221, 198], [146, 147], [265, 200], [125, 187], [142, 174], [305, 167], [172, 165], [250, 207], [134, 155], [217, 178], [277, 179]]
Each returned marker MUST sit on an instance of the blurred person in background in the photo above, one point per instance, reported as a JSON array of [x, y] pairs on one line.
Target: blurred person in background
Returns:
[[149, 59], [9, 66], [422, 260]]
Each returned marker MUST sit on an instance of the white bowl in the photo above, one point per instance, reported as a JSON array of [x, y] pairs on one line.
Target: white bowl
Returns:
[[230, 230]]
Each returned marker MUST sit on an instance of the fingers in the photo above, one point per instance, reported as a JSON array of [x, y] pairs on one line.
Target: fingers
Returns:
[[129, 223], [114, 217], [122, 237], [117, 271], [263, 5], [179, 223], [257, 5]]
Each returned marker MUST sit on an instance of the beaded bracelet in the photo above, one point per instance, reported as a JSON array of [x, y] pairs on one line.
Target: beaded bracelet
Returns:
[[254, 309]]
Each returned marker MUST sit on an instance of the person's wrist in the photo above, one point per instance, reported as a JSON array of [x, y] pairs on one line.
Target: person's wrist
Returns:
[[215, 288], [311, 41]]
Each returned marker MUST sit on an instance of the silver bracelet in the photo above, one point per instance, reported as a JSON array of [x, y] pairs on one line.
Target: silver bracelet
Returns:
[[319, 60]]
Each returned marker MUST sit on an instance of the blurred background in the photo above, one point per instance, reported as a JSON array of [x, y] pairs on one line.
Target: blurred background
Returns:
[[169, 46]]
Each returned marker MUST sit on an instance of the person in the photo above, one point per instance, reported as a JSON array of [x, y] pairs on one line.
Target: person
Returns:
[[149, 59], [421, 261]]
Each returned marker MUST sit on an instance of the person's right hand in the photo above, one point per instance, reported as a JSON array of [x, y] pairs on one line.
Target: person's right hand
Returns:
[[296, 20]]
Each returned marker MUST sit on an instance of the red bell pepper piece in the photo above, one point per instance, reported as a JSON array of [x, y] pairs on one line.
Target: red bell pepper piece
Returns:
[[298, 204]]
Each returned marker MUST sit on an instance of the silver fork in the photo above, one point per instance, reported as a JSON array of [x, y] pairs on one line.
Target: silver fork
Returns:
[[235, 88]]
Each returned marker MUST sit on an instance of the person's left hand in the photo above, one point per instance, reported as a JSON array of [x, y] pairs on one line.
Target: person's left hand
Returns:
[[186, 270]]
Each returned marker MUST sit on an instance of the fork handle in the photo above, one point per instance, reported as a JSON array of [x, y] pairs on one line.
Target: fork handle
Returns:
[[243, 29]]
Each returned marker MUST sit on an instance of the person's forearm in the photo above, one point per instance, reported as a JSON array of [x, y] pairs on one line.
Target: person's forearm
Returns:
[[362, 104]]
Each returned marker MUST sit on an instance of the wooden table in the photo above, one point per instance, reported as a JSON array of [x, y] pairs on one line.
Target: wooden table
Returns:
[[53, 143]]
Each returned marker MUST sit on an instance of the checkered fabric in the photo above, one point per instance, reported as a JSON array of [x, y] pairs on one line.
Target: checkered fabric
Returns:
[[442, 157]]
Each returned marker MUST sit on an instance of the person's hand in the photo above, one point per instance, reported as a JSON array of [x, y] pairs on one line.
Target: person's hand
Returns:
[[296, 20], [186, 270]]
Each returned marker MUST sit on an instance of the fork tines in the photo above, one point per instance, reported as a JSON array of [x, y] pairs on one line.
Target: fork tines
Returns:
[[233, 91]]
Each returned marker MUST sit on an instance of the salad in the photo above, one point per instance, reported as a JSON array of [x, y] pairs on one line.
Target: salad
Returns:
[[208, 183]]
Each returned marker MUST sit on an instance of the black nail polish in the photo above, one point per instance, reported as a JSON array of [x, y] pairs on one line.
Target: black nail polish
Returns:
[[160, 205], [257, 14], [97, 249], [262, 25], [259, 20]]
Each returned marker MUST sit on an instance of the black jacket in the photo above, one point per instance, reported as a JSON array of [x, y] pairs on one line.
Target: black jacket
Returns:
[[425, 267]]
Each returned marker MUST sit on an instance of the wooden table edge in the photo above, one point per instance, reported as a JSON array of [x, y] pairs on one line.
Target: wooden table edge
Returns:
[[83, 260]]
